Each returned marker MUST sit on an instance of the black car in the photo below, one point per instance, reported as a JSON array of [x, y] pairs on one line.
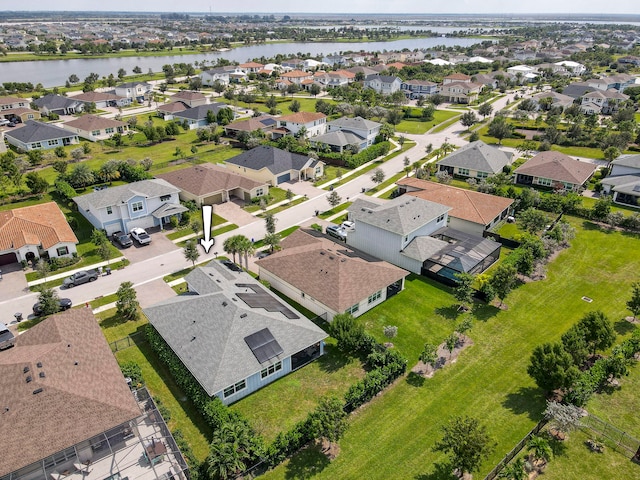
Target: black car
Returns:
[[63, 304], [122, 239], [7, 338]]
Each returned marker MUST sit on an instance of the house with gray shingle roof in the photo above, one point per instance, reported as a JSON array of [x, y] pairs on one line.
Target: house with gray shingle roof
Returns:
[[475, 160], [554, 169], [385, 84], [623, 183], [58, 104], [144, 204], [412, 233], [326, 277], [346, 131], [197, 116], [234, 335], [274, 166], [40, 136]]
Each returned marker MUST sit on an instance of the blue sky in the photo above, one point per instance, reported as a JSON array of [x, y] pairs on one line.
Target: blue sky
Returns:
[[336, 6]]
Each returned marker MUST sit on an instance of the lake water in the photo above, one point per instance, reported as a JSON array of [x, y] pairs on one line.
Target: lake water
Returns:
[[53, 73]]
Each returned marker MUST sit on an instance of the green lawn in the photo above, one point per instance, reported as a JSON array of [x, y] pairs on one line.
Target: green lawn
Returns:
[[328, 213], [306, 104], [447, 123], [419, 127], [393, 436], [276, 195], [331, 374], [158, 380]]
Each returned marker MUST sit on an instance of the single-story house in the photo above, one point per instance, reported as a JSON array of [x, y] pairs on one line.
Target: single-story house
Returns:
[[36, 135], [313, 123], [554, 169], [58, 104], [346, 131], [327, 278], [209, 184], [412, 233], [134, 90], [144, 204], [475, 160], [471, 212], [234, 335], [167, 110], [28, 233], [623, 183], [626, 165], [577, 89], [555, 99], [62, 376], [94, 127], [265, 123], [274, 166], [103, 99], [196, 117], [192, 99]]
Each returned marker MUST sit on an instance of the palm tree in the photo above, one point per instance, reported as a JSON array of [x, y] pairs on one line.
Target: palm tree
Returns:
[[246, 248], [228, 452], [230, 245]]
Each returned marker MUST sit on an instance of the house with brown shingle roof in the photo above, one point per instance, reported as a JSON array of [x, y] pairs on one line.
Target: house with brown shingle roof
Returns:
[[555, 169], [251, 67], [28, 233], [67, 410], [264, 122], [314, 123], [471, 212], [103, 99], [94, 127], [456, 77], [193, 99], [328, 277], [167, 110], [209, 184]]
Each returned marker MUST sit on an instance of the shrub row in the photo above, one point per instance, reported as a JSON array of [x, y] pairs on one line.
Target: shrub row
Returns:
[[368, 154]]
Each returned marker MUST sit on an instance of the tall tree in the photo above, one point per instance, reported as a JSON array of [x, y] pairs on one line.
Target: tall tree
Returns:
[[485, 109], [467, 443], [233, 446], [49, 301], [378, 176], [270, 223], [503, 280], [273, 240], [232, 246], [334, 199], [191, 252], [127, 303], [499, 128], [468, 119], [552, 368], [598, 331], [463, 291], [329, 420]]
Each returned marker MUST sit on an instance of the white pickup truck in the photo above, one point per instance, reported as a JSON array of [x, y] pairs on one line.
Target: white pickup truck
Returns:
[[140, 236]]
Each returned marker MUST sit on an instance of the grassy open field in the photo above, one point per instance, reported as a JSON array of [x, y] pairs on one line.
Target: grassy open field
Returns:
[[393, 436], [419, 127]]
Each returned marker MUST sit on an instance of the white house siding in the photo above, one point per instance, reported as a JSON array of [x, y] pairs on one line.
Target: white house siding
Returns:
[[296, 295], [466, 226], [53, 251], [381, 244]]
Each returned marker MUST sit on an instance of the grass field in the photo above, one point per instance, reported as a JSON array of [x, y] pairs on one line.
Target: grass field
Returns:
[[419, 127], [393, 436]]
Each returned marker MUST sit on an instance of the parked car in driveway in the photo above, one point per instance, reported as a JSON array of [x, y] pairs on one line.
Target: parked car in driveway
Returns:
[[140, 236], [336, 232], [231, 266], [122, 239], [63, 304], [78, 278], [7, 338]]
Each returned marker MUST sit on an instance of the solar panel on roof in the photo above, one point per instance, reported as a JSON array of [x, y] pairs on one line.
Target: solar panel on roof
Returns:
[[263, 345]]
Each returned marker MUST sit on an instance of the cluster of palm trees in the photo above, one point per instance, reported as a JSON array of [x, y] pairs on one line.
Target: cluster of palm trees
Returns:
[[241, 246]]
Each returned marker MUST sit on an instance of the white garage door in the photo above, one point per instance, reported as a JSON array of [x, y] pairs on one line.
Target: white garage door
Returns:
[[112, 228], [145, 222]]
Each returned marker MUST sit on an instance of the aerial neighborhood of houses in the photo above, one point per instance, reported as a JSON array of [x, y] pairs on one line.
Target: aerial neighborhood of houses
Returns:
[[256, 235]]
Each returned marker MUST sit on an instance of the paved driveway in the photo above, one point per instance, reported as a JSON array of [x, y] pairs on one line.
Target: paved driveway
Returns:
[[159, 244], [13, 283], [232, 211]]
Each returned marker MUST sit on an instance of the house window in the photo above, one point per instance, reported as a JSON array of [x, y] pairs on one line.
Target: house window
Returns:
[[164, 198], [353, 309], [283, 124], [376, 296], [52, 142], [95, 133], [36, 145], [463, 171], [318, 170], [62, 251], [482, 174], [233, 389], [259, 192], [109, 130], [271, 369], [440, 218], [136, 207], [544, 181], [30, 116], [109, 210]]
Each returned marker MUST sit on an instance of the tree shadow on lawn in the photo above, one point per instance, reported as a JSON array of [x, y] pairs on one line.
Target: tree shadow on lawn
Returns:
[[415, 380], [333, 360], [527, 400], [483, 311], [623, 327], [450, 313], [307, 463], [442, 471]]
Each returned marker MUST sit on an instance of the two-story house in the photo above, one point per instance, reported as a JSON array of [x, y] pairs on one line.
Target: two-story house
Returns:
[[313, 123], [144, 204], [17, 109], [251, 67], [456, 78], [385, 84], [296, 76], [415, 89], [346, 131], [134, 90], [213, 75], [623, 183], [460, 92], [605, 102]]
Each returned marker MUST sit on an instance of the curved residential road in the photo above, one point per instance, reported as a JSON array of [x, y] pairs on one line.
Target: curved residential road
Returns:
[[144, 272]]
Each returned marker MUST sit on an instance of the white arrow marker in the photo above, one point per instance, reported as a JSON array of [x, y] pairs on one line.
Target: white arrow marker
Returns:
[[207, 242]]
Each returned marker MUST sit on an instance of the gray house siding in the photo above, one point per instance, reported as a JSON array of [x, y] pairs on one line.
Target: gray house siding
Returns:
[[255, 382]]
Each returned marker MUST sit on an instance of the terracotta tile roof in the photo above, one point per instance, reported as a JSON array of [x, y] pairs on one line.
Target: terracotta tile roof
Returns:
[[332, 273], [39, 224], [302, 117], [295, 74], [397, 65], [345, 73], [465, 204], [557, 166], [207, 179], [94, 122], [83, 392]]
